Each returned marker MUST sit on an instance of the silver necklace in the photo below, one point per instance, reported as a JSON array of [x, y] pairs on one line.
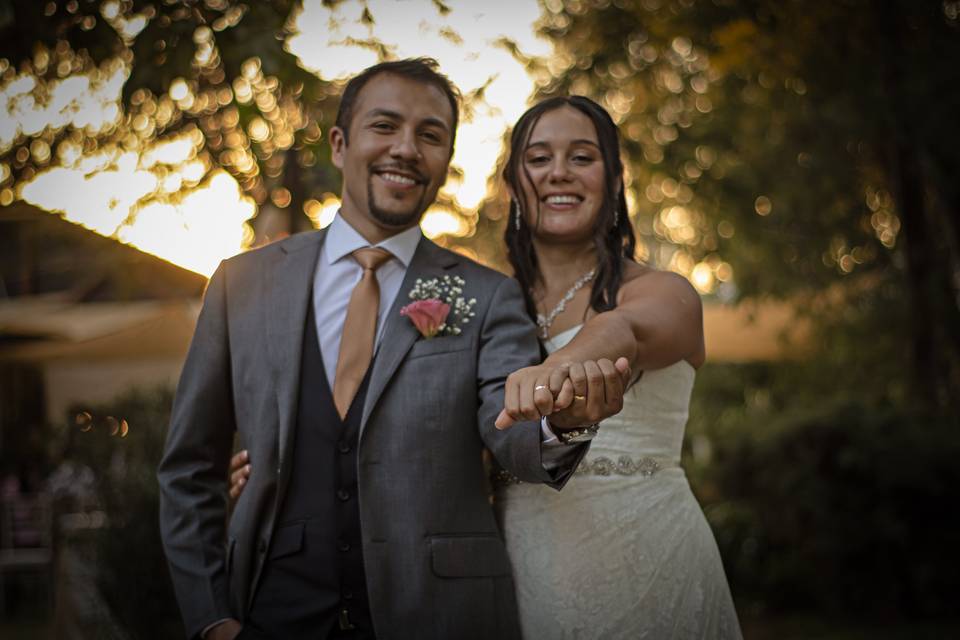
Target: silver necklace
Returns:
[[544, 322]]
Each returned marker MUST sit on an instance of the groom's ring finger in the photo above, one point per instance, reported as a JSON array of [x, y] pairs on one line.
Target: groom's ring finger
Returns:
[[543, 398]]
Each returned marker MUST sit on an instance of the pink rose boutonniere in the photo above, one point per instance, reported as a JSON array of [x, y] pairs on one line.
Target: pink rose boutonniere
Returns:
[[438, 308], [428, 316]]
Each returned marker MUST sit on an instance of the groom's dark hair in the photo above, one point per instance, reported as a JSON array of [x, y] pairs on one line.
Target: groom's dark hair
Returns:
[[423, 70]]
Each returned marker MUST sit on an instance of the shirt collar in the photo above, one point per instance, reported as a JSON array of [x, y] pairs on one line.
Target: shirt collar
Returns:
[[342, 240]]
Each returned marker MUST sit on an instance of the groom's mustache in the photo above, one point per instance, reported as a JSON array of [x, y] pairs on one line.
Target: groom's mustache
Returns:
[[402, 168]]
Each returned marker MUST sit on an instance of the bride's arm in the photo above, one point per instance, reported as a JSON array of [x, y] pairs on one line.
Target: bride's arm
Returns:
[[657, 322]]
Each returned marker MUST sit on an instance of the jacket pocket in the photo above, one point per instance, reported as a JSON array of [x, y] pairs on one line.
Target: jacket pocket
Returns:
[[458, 556], [287, 540], [440, 344]]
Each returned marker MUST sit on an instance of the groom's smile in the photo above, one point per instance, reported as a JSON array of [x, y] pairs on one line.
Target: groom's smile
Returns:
[[395, 155], [396, 183]]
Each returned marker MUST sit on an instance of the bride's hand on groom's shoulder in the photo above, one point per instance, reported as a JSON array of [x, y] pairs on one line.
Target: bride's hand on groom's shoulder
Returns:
[[227, 629], [572, 394]]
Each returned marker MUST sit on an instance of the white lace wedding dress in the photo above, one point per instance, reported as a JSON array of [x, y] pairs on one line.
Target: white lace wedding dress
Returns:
[[623, 551]]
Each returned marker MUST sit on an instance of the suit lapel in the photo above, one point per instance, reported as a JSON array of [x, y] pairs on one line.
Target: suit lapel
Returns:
[[429, 261], [289, 291]]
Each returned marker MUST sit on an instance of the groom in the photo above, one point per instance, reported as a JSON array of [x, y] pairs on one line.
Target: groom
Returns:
[[366, 511]]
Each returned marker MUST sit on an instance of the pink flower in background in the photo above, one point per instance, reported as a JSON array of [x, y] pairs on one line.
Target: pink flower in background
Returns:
[[428, 316]]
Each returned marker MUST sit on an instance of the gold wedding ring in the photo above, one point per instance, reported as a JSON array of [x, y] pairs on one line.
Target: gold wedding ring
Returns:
[[576, 397]]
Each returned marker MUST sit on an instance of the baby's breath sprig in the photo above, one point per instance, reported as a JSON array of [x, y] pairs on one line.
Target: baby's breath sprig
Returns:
[[448, 289]]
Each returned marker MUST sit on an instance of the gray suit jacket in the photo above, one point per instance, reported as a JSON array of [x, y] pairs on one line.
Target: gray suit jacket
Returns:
[[435, 561]]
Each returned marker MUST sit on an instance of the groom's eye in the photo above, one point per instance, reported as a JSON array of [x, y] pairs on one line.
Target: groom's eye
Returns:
[[431, 136]]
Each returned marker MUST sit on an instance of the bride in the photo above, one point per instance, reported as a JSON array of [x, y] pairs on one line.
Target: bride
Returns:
[[624, 551]]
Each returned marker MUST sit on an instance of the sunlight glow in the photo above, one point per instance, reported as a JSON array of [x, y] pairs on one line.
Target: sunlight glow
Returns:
[[133, 197], [205, 227], [166, 196], [440, 220], [78, 101]]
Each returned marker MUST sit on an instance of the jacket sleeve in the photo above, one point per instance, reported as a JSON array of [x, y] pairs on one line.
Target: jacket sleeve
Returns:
[[507, 343], [193, 471]]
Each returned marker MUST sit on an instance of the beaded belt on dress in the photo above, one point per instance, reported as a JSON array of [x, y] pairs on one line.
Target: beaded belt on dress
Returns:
[[604, 466]]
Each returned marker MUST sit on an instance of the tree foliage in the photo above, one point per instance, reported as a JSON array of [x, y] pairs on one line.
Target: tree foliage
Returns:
[[216, 71], [810, 148]]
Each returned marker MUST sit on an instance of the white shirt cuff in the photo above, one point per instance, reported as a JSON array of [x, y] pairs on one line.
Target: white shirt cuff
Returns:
[[548, 437]]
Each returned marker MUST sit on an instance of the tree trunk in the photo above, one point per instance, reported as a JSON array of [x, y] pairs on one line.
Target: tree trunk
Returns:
[[293, 182], [935, 351]]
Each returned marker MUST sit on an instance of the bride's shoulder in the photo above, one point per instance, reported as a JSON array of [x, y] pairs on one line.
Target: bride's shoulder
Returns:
[[640, 280]]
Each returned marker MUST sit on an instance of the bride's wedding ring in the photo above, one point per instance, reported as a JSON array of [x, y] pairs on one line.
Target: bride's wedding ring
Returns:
[[576, 397]]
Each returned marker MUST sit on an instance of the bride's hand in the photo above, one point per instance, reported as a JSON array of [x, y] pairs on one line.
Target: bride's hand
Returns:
[[598, 388], [239, 473]]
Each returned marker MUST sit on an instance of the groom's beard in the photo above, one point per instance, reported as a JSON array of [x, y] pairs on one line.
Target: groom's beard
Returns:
[[397, 219]]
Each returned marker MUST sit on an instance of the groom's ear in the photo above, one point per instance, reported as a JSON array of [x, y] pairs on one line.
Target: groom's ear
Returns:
[[338, 145]]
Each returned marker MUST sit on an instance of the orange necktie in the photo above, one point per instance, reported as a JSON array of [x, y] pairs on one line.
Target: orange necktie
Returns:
[[359, 329]]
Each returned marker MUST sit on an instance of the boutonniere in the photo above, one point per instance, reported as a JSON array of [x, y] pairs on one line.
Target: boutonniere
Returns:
[[438, 306]]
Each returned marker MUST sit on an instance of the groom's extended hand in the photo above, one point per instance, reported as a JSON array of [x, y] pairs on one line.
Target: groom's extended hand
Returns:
[[572, 394]]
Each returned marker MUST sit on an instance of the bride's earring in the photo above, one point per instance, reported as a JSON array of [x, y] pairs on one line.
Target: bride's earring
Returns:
[[515, 207]]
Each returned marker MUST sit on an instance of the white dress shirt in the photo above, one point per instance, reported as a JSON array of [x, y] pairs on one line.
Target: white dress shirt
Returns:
[[338, 273]]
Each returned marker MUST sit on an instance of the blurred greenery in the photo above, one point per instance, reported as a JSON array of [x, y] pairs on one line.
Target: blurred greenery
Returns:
[[839, 506], [131, 569], [231, 60]]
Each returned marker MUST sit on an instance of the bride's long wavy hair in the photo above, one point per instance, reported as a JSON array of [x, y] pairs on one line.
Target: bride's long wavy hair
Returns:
[[613, 235]]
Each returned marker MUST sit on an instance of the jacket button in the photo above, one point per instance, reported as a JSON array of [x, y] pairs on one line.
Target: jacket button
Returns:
[[343, 446], [343, 495], [343, 545]]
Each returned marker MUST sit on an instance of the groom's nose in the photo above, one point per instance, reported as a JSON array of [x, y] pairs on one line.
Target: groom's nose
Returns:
[[405, 146]]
